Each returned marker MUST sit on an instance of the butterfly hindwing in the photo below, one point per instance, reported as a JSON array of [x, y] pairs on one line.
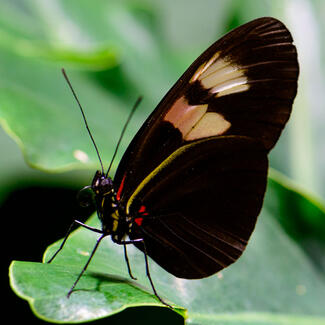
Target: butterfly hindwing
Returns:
[[199, 207]]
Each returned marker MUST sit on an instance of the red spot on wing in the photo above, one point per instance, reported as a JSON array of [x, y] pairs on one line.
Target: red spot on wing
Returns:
[[119, 191], [138, 221], [143, 211]]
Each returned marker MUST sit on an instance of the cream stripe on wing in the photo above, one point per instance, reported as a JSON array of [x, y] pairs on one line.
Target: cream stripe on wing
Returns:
[[211, 124], [233, 89], [205, 66], [184, 116], [194, 122], [221, 76]]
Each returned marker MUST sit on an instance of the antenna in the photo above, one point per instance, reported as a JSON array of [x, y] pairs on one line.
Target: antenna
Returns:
[[84, 118], [136, 104]]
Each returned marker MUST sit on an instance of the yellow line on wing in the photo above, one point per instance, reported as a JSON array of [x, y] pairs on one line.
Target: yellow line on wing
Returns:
[[158, 169]]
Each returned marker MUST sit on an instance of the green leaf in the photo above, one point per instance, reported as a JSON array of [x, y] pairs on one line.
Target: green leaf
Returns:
[[301, 215], [274, 282], [104, 290], [32, 32], [101, 294], [42, 116], [40, 113]]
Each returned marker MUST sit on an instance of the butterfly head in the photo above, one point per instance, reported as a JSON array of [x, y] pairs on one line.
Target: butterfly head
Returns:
[[100, 194], [102, 185]]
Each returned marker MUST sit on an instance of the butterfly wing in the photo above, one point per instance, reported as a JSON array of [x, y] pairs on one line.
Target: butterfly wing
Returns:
[[194, 176], [244, 84], [198, 208]]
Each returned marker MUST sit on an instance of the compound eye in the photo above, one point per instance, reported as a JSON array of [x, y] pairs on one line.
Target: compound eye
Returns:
[[86, 197]]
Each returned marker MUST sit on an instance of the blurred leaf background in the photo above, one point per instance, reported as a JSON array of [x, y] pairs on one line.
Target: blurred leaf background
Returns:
[[115, 51]]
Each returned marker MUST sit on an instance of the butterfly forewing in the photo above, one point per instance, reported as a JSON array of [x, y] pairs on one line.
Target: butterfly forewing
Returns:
[[193, 178], [244, 84]]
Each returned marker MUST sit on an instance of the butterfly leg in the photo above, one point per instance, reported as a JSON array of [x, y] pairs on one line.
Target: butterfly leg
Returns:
[[86, 265], [128, 263], [133, 241], [149, 276], [68, 234]]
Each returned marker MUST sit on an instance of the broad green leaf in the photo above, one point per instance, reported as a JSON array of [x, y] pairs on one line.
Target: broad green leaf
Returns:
[[40, 112], [50, 30], [47, 285], [300, 214], [274, 282], [42, 116]]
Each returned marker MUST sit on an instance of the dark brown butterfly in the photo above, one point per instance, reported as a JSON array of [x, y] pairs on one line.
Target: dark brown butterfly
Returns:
[[190, 186]]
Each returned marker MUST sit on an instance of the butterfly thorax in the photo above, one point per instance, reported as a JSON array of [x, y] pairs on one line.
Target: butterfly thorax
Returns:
[[109, 211]]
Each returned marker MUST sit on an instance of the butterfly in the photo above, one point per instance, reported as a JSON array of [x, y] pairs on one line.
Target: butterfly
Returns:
[[190, 186]]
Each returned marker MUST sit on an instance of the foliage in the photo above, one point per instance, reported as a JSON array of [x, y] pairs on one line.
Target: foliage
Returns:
[[114, 51]]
